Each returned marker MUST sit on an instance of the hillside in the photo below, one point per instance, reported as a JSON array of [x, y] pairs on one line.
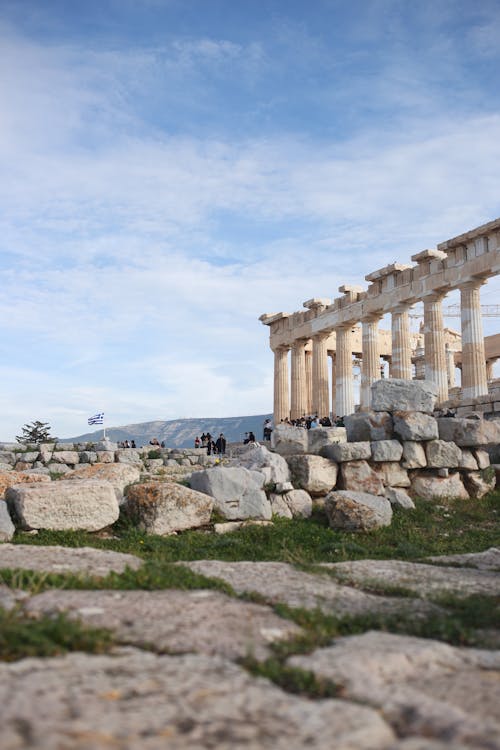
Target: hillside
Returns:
[[179, 433]]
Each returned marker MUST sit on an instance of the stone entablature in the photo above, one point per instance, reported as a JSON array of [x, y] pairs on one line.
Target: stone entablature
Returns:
[[464, 262]]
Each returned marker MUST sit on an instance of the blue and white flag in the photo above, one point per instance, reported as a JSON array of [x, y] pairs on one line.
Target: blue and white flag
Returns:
[[97, 418]]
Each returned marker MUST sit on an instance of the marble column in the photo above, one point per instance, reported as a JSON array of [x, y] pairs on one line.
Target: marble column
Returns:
[[321, 397], [345, 386], [435, 357], [474, 381], [334, 382], [370, 363], [281, 397], [298, 406], [401, 343], [450, 365], [309, 382], [489, 368]]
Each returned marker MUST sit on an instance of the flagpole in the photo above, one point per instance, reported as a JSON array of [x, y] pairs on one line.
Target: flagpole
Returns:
[[103, 428]]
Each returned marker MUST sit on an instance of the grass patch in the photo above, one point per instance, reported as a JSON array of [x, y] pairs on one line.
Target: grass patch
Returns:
[[451, 527], [22, 637], [291, 679]]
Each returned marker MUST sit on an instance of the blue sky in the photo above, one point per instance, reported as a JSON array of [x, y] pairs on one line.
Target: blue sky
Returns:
[[171, 169]]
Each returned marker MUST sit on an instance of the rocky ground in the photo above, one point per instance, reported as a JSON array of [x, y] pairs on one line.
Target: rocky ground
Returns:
[[183, 671]]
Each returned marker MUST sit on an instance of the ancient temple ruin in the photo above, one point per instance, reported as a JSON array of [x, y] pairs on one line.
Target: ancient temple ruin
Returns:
[[347, 330]]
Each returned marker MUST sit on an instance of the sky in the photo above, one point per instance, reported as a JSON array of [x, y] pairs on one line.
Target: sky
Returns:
[[172, 169]]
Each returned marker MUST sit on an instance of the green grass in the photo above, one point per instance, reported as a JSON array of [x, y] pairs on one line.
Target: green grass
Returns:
[[432, 529], [22, 637]]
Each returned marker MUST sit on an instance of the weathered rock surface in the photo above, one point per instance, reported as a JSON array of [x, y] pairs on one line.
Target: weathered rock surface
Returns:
[[10, 598], [368, 425], [299, 502], [357, 511], [442, 455], [7, 528], [135, 699], [397, 496], [65, 457], [413, 455], [55, 559], [414, 425], [424, 687], [428, 487], [287, 440], [479, 483], [118, 475], [319, 437], [347, 451], [272, 465], [315, 474], [203, 621], [420, 578], [89, 505], [482, 458], [128, 456], [394, 394], [487, 560], [392, 474], [8, 478], [280, 582], [467, 460], [237, 492], [386, 450], [166, 507], [469, 433], [358, 476]]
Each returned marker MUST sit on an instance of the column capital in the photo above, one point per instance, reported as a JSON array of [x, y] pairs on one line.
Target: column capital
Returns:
[[434, 296], [472, 283], [402, 307], [320, 335], [372, 317], [281, 348]]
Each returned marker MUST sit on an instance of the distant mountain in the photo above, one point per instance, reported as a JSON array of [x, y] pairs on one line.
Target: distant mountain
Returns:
[[179, 433]]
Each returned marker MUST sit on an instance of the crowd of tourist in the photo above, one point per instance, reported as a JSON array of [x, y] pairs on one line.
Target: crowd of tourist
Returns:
[[311, 421], [214, 447]]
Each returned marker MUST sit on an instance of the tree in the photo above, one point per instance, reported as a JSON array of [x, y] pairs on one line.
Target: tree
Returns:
[[36, 432]]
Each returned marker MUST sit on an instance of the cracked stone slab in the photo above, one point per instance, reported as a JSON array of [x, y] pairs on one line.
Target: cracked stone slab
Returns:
[[423, 687], [135, 699], [171, 621], [56, 559], [280, 582], [422, 579], [487, 560]]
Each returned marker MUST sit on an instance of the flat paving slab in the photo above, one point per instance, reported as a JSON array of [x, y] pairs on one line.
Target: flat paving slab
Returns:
[[136, 699], [422, 579], [487, 560], [56, 559], [172, 621], [280, 582], [423, 687]]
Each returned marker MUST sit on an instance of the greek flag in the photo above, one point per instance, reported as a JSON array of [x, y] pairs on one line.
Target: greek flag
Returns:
[[97, 418]]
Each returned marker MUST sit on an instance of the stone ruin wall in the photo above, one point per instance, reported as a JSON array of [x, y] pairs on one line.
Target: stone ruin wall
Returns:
[[349, 326]]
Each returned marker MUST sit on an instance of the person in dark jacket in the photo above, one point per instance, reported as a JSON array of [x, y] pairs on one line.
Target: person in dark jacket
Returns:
[[220, 444]]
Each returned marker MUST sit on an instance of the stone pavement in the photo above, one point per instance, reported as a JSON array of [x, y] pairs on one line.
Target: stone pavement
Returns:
[[175, 679]]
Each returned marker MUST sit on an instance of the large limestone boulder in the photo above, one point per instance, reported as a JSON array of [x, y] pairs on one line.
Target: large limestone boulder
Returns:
[[386, 450], [392, 474], [319, 437], [8, 478], [293, 504], [166, 507], [357, 511], [479, 483], [315, 474], [397, 496], [442, 455], [429, 487], [7, 528], [56, 559], [468, 461], [69, 458], [368, 425], [272, 465], [469, 433], [128, 456], [87, 505], [287, 440], [413, 455], [347, 451], [394, 394], [237, 492], [118, 475], [359, 476], [414, 425]]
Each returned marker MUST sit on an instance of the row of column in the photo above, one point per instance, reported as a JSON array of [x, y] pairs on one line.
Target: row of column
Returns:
[[309, 374]]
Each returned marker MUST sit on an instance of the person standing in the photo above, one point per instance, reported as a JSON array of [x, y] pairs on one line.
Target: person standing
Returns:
[[220, 445]]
